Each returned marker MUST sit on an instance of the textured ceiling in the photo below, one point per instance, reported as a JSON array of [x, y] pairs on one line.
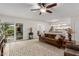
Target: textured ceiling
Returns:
[[22, 10]]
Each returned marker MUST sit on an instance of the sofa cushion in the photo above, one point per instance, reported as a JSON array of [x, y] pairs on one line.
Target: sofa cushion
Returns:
[[57, 37], [74, 47]]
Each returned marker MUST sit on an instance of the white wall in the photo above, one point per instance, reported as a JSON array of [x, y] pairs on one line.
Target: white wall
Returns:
[[38, 25], [76, 25], [27, 23]]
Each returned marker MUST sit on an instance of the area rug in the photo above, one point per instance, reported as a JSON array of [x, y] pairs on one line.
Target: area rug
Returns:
[[31, 48]]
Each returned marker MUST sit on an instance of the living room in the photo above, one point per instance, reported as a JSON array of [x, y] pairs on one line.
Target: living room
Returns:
[[62, 18]]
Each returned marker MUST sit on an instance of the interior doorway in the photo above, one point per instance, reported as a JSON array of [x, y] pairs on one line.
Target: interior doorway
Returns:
[[19, 31]]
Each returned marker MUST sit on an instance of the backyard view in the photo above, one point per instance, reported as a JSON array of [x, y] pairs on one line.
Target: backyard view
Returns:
[[8, 31]]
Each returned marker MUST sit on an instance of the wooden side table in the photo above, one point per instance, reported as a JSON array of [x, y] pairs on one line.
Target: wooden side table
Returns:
[[71, 50]]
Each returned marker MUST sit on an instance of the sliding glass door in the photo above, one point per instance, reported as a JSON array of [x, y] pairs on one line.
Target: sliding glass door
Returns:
[[13, 32], [7, 31]]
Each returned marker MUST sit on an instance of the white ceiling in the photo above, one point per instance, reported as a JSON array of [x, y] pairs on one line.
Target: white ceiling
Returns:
[[22, 10]]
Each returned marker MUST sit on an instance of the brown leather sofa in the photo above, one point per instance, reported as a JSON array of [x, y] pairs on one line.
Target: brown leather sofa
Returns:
[[50, 38], [50, 41]]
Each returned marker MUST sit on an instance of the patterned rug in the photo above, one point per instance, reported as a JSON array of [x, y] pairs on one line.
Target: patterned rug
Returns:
[[31, 48]]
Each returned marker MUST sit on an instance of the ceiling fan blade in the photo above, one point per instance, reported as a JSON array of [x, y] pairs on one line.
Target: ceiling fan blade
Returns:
[[48, 11], [52, 5], [39, 4], [43, 4], [34, 9]]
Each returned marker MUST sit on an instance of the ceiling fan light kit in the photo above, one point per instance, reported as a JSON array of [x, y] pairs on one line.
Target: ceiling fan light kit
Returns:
[[43, 10]]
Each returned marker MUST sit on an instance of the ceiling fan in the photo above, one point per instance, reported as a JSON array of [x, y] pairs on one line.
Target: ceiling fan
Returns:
[[44, 7]]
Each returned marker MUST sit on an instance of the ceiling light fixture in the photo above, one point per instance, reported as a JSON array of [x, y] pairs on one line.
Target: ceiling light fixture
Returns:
[[55, 20], [43, 10], [64, 24]]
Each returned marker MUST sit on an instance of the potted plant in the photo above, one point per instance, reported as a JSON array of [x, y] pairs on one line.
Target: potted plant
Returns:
[[4, 28]]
